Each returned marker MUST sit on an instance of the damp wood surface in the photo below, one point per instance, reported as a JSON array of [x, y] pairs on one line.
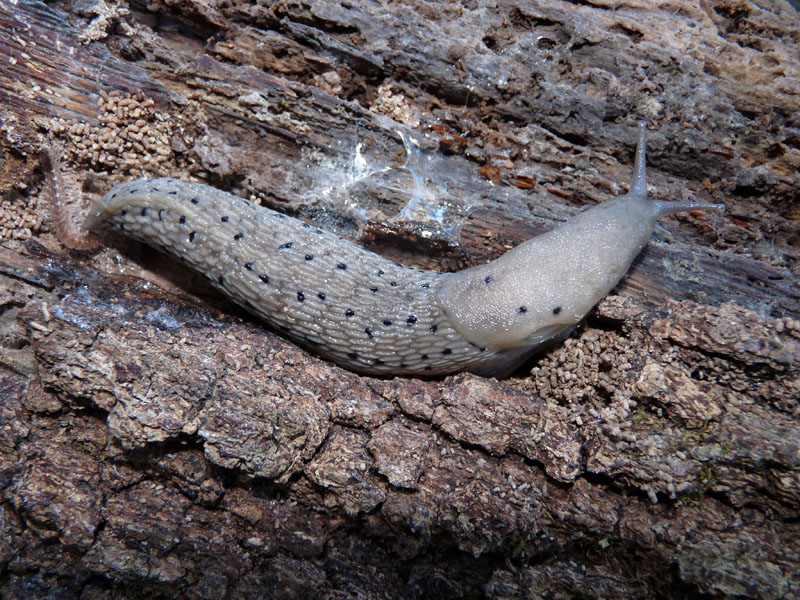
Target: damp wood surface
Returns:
[[156, 441]]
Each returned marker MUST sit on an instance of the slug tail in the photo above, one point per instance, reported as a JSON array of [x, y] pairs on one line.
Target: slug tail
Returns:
[[95, 220], [101, 211]]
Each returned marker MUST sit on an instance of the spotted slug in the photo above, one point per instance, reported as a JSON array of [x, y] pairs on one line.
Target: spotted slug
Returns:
[[374, 316]]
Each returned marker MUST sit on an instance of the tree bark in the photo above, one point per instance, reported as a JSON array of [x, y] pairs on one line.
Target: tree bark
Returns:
[[156, 441]]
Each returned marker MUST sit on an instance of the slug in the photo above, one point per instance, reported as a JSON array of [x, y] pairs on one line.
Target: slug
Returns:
[[373, 316]]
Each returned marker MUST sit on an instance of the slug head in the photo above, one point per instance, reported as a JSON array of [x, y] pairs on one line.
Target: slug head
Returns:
[[549, 283]]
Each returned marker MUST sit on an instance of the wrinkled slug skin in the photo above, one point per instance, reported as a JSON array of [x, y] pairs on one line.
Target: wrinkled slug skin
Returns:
[[374, 316]]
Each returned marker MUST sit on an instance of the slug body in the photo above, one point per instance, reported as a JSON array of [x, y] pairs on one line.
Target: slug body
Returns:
[[374, 316]]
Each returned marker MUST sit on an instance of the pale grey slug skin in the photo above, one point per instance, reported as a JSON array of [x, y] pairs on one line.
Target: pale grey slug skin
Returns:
[[374, 316]]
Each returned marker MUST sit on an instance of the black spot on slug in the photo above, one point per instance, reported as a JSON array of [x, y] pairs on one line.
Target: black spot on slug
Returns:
[[309, 257], [556, 310], [182, 220], [238, 236], [134, 191], [373, 289], [447, 351], [264, 278], [483, 349], [522, 309], [248, 266], [319, 231], [341, 266], [321, 296], [221, 280], [300, 296], [160, 213], [426, 285], [123, 212], [285, 246], [380, 272], [434, 328], [144, 211], [424, 357], [280, 216], [173, 193], [306, 225], [368, 331], [349, 312], [393, 283], [411, 319], [488, 280], [195, 200], [224, 219], [191, 236], [387, 322], [352, 356]]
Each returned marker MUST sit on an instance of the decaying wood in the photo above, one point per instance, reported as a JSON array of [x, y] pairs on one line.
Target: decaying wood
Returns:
[[155, 441]]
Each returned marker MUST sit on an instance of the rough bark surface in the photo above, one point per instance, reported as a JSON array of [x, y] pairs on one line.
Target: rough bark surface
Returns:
[[156, 442]]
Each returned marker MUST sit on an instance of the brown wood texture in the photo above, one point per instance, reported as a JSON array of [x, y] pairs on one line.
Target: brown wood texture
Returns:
[[157, 442]]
